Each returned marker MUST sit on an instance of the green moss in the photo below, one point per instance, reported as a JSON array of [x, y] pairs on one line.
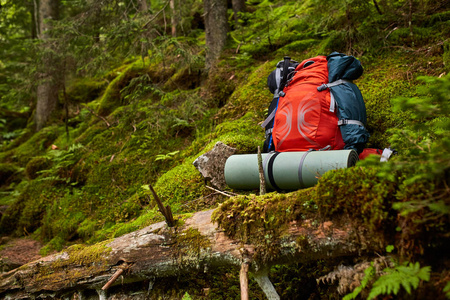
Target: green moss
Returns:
[[35, 165], [112, 97], [189, 246], [56, 244], [7, 172], [180, 186], [92, 258], [298, 46], [359, 194], [263, 220], [119, 90], [36, 145], [244, 134], [252, 96], [446, 55], [85, 90], [24, 215], [247, 217], [184, 79]]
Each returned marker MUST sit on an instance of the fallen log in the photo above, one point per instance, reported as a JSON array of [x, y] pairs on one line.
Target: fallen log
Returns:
[[159, 251]]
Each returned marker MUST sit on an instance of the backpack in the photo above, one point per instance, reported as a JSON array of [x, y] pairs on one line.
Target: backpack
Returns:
[[317, 107]]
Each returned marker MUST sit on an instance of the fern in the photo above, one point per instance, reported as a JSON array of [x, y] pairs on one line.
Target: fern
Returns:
[[369, 274], [167, 156], [406, 275], [447, 290]]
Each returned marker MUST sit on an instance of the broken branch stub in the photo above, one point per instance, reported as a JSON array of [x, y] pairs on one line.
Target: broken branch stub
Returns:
[[166, 211]]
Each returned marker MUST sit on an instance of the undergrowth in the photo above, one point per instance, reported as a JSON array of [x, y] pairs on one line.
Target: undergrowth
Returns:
[[147, 120]]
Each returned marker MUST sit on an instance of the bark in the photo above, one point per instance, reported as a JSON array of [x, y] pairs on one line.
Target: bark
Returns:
[[47, 91], [173, 19], [262, 278], [143, 6], [216, 29], [157, 251], [243, 278], [238, 7]]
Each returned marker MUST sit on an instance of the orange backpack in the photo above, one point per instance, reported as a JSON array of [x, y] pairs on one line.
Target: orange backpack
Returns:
[[306, 118]]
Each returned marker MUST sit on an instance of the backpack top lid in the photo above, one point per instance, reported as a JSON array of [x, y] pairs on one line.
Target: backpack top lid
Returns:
[[341, 66], [312, 70]]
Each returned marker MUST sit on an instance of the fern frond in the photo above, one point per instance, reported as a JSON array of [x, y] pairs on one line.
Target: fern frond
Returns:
[[406, 275]]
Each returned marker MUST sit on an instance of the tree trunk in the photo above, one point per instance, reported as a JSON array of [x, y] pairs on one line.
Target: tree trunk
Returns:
[[238, 7], [158, 251], [143, 6], [216, 29], [173, 18], [47, 93]]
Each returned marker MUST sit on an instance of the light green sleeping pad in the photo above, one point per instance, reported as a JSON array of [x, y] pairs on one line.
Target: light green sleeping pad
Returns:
[[285, 170]]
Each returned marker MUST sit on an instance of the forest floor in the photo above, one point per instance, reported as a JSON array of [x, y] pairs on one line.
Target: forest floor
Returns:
[[17, 252]]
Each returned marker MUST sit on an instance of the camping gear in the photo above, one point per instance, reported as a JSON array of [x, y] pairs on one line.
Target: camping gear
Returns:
[[318, 107], [285, 170], [276, 81]]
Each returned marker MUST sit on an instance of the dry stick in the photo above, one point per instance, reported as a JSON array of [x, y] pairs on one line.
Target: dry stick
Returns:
[[166, 211], [98, 116], [115, 276], [218, 191], [262, 180], [243, 278]]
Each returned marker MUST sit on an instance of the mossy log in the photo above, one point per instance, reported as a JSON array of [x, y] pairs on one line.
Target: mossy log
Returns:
[[158, 251]]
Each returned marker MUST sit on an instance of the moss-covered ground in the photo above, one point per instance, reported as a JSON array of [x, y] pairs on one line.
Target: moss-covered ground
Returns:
[[145, 123]]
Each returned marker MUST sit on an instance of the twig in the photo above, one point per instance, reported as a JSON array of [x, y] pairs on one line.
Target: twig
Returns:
[[98, 116], [262, 180], [115, 276], [220, 192], [154, 17], [166, 211]]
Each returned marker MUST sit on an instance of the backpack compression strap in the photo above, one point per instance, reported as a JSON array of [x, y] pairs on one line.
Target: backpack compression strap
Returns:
[[331, 84], [268, 164], [335, 83], [354, 122]]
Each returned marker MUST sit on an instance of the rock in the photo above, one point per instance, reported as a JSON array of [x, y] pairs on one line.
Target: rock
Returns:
[[212, 164]]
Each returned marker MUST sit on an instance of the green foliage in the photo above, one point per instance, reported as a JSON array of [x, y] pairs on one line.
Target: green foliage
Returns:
[[447, 290], [263, 220], [252, 96], [163, 113], [61, 166], [35, 165], [56, 244], [167, 156], [180, 186], [406, 275], [369, 275], [422, 166], [7, 171], [112, 97], [84, 90], [36, 145], [358, 193]]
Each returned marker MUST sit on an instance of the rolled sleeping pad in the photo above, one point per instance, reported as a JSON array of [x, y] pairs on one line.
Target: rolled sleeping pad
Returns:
[[285, 170]]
